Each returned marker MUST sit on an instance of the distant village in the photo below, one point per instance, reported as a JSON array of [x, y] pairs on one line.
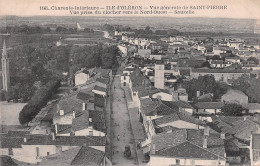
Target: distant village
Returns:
[[169, 126]]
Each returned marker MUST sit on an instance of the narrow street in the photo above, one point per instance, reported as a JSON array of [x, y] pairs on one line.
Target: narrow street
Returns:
[[121, 127]]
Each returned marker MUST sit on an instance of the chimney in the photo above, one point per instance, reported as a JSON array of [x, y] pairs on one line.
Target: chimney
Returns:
[[24, 139], [222, 135], [61, 112], [53, 136], [74, 114], [153, 149], [197, 123], [175, 96], [205, 142], [197, 93], [206, 131], [56, 128], [84, 106]]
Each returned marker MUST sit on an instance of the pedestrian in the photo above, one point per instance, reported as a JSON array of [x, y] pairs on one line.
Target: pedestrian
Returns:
[[118, 137]]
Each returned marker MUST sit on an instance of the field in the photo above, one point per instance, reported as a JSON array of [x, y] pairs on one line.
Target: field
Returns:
[[9, 113]]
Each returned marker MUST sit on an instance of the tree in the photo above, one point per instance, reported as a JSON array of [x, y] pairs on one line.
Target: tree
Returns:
[[216, 57], [241, 83], [220, 90], [253, 90], [254, 59], [232, 109]]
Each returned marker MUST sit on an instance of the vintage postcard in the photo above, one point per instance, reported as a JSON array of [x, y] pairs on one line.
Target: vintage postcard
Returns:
[[117, 82]]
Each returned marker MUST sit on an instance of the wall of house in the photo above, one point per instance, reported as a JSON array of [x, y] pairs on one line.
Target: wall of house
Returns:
[[99, 92], [126, 80], [234, 98], [64, 119], [183, 97], [101, 148], [85, 132], [159, 77], [208, 111], [181, 125], [166, 161], [123, 49], [219, 76], [162, 96], [81, 78], [28, 153]]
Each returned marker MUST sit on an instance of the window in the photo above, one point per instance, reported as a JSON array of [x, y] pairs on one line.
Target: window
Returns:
[[48, 153], [124, 77], [124, 83], [177, 162], [90, 133]]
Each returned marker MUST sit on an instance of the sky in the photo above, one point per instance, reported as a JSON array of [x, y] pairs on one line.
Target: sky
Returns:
[[235, 8]]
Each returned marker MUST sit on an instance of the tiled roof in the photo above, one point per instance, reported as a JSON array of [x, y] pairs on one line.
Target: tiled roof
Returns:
[[238, 126], [99, 88], [184, 71], [235, 92], [138, 79], [148, 107], [189, 150], [88, 156], [103, 80], [7, 161], [98, 120], [11, 133], [102, 72], [65, 140], [166, 119], [163, 109], [165, 140], [63, 129], [217, 62], [177, 116], [12, 139], [190, 63], [177, 104], [99, 100], [63, 158], [10, 142], [70, 103], [81, 122], [76, 156], [129, 69], [253, 106], [208, 105], [203, 70], [16, 142], [83, 96], [188, 143]]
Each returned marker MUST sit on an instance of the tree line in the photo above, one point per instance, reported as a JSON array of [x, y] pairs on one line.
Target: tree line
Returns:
[[38, 101]]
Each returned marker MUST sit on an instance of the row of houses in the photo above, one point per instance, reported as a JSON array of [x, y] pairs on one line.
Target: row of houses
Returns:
[[77, 129], [174, 136]]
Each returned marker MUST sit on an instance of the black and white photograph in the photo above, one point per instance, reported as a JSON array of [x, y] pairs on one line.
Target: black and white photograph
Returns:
[[130, 83]]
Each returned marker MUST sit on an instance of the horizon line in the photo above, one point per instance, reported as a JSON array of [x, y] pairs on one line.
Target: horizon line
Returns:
[[130, 16]]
